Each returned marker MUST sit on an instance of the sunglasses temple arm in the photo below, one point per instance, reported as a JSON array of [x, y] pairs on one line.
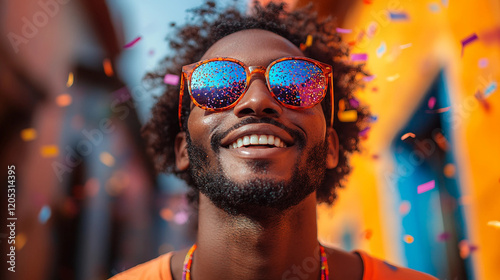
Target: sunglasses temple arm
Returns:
[[181, 95], [331, 100]]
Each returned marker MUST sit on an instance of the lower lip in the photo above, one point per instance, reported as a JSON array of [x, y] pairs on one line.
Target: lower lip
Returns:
[[259, 152]]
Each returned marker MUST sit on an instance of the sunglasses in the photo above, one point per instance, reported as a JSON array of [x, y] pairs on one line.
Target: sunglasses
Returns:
[[218, 84]]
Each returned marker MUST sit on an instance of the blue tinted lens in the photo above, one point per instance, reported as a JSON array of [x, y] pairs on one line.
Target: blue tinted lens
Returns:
[[297, 82], [218, 84]]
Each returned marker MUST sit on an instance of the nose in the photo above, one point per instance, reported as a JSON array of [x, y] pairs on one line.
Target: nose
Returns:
[[258, 101]]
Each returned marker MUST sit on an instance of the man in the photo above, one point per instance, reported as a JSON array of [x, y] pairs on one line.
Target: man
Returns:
[[259, 140]]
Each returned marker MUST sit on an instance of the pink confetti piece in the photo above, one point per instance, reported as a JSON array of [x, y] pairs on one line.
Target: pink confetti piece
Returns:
[[426, 187], [444, 236], [431, 102], [468, 40], [359, 57], [406, 135], [483, 62], [354, 103], [437, 111], [343, 31], [171, 79], [131, 44], [369, 78]]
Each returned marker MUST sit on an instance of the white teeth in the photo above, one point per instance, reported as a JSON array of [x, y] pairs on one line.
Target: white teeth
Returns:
[[255, 139]]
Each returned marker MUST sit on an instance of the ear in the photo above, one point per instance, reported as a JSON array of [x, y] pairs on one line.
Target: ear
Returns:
[[181, 154], [332, 158]]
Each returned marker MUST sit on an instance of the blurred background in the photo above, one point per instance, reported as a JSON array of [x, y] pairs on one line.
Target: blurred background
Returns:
[[425, 191]]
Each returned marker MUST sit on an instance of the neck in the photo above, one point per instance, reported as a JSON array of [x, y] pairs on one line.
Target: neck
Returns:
[[257, 246]]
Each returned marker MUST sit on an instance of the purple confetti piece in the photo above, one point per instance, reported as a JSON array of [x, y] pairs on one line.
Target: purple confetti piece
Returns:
[[364, 132], [398, 16], [343, 31], [444, 236], [131, 44], [426, 187], [483, 62], [431, 102], [392, 267], [181, 217], [122, 94], [354, 103], [369, 78], [359, 57], [171, 79], [466, 41]]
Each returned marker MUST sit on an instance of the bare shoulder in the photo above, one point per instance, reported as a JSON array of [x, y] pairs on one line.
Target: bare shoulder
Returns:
[[344, 265]]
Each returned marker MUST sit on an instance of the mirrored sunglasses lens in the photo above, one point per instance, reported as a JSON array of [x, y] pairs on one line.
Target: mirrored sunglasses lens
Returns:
[[297, 82], [218, 84]]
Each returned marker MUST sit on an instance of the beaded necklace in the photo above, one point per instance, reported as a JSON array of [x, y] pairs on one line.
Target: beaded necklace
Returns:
[[188, 261]]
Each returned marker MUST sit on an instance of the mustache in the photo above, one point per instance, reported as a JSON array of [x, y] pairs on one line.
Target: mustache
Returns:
[[297, 135]]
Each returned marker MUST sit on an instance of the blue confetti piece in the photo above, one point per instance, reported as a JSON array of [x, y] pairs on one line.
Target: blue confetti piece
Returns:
[[393, 268], [434, 7], [44, 214], [445, 3], [381, 50], [373, 118], [398, 16], [490, 89]]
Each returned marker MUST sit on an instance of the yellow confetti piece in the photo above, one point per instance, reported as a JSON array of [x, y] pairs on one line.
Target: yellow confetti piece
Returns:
[[49, 151], [63, 100], [409, 239], [70, 80], [348, 116], [309, 40], [108, 68], [20, 241], [28, 134], [406, 135], [107, 159], [393, 78], [494, 224]]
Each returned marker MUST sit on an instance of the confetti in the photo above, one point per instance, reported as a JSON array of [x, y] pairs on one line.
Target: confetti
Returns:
[[359, 57], [404, 207], [367, 1], [431, 102], [393, 78], [91, 187], [490, 89], [405, 46], [354, 103], [392, 267], [131, 44], [444, 2], [49, 151], [468, 40], [28, 134], [20, 240], [441, 141], [381, 49], [343, 31], [348, 116], [171, 79], [167, 214], [406, 135], [494, 224], [121, 94], [63, 100], [181, 217], [466, 248], [444, 236], [44, 214], [398, 16], [426, 187], [108, 67], [367, 234], [107, 159], [449, 170], [373, 118], [70, 80], [369, 78], [440, 110], [482, 100], [364, 132], [483, 62], [434, 7], [465, 200], [309, 40], [408, 239], [371, 30]]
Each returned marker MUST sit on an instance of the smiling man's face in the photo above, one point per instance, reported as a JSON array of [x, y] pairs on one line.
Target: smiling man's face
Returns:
[[280, 155]]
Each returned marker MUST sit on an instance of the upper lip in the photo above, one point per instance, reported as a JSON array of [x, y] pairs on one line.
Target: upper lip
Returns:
[[259, 129]]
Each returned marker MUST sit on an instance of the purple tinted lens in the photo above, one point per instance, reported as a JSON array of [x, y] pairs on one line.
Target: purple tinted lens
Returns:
[[218, 84], [297, 82]]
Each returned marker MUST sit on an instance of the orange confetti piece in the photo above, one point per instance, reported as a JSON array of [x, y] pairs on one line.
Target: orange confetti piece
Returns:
[[495, 224], [28, 134], [70, 80], [20, 241], [49, 151], [367, 234], [108, 68], [406, 135], [409, 239], [404, 207], [449, 170], [107, 159], [309, 40], [167, 214], [348, 116], [63, 100]]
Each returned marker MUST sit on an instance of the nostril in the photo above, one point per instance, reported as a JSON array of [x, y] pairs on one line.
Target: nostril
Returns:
[[246, 111], [270, 111]]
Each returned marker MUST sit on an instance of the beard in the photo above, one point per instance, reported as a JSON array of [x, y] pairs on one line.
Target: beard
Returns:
[[256, 194]]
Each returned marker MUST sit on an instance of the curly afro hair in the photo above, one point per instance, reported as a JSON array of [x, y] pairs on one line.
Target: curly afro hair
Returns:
[[209, 24]]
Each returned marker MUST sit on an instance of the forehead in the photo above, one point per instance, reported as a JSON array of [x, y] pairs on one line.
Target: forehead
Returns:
[[254, 47]]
